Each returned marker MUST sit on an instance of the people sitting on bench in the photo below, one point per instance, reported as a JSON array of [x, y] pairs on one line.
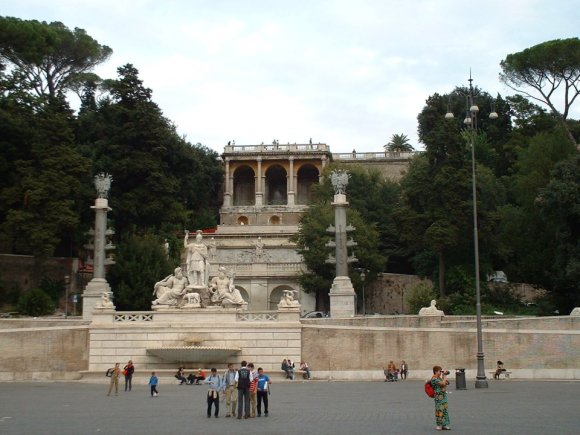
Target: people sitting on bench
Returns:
[[499, 369], [288, 367], [391, 372], [180, 376]]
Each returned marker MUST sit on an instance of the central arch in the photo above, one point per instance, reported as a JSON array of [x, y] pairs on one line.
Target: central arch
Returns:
[[276, 185], [244, 186]]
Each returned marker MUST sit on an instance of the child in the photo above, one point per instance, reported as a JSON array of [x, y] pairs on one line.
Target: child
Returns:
[[153, 381]]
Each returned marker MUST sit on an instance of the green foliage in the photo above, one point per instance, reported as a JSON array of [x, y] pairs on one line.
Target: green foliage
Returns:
[[420, 295], [53, 288], [545, 68], [160, 180], [141, 261], [49, 55], [399, 143], [35, 302]]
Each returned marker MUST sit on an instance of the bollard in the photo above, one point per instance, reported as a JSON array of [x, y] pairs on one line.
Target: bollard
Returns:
[[460, 383]]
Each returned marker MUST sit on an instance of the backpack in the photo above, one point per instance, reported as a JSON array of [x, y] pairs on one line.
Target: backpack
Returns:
[[429, 391], [109, 373], [243, 378]]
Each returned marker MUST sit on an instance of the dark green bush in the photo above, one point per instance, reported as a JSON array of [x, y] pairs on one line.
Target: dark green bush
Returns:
[[35, 302]]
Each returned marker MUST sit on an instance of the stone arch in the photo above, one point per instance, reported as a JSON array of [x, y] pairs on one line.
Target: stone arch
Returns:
[[276, 185], [243, 220], [276, 295], [307, 175], [244, 186], [274, 220]]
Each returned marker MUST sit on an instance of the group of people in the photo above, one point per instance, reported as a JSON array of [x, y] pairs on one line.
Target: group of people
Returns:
[[288, 367], [191, 379], [115, 373], [252, 387], [392, 373]]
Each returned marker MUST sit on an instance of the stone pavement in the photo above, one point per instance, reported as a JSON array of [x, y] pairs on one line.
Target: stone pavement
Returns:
[[299, 407]]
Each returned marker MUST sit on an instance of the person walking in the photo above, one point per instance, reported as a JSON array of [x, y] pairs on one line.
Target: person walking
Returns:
[[153, 382], [114, 380], [253, 390], [128, 371], [214, 381], [263, 391], [243, 379], [230, 390], [439, 382]]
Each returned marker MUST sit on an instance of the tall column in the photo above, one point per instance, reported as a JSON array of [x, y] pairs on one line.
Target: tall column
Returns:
[[290, 187], [93, 293], [342, 295], [258, 185], [228, 189]]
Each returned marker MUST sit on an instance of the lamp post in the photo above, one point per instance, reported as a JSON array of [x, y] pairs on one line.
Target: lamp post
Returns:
[[362, 277], [66, 285], [470, 122]]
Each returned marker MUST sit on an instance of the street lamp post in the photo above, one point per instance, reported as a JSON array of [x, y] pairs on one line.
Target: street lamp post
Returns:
[[470, 122], [362, 277], [66, 285]]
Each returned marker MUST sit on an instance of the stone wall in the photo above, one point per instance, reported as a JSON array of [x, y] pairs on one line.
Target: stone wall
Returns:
[[22, 271], [41, 353], [355, 352], [389, 293]]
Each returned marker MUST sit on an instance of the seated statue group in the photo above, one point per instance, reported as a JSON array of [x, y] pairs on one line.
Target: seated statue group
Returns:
[[176, 291]]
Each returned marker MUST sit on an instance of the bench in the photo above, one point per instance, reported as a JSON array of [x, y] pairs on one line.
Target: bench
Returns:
[[505, 374]]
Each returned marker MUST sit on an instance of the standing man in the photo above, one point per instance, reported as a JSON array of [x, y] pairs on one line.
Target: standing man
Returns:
[[213, 396], [114, 380], [243, 379], [253, 390], [230, 390], [263, 391]]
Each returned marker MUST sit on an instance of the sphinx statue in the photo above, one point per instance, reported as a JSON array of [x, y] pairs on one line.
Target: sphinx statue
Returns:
[[431, 310]]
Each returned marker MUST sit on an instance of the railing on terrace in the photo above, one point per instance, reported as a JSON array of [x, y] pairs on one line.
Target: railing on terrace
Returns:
[[383, 155], [133, 317], [262, 316], [313, 147]]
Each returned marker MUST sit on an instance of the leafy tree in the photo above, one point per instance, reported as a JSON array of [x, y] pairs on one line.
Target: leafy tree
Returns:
[[435, 215], [548, 69], [161, 181], [49, 56], [40, 203], [399, 143], [559, 204], [140, 262], [420, 295]]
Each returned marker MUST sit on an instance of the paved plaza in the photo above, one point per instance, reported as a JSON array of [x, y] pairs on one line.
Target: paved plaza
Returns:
[[314, 407]]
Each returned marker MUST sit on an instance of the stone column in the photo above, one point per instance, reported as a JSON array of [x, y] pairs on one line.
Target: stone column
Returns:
[[258, 186], [94, 290], [342, 295], [290, 187], [228, 190]]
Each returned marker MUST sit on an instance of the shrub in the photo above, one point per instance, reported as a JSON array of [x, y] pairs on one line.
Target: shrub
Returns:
[[35, 302], [420, 296]]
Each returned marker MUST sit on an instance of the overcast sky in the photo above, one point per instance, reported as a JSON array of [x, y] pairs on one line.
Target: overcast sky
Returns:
[[349, 73]]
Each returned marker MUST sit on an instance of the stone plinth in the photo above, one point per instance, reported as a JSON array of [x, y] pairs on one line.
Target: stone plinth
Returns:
[[92, 296], [342, 298]]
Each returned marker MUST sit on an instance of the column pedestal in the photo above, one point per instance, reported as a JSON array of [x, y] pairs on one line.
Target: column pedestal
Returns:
[[342, 298]]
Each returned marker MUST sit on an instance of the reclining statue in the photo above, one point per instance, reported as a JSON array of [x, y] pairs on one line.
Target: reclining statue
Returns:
[[170, 290]]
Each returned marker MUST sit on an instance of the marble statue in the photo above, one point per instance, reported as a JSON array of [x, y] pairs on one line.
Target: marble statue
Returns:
[[170, 290], [575, 312], [259, 249], [223, 291], [212, 246], [193, 300], [197, 261], [339, 179], [431, 310], [288, 300], [106, 301]]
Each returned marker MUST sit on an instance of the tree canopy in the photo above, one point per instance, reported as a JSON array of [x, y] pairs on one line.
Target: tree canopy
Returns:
[[399, 143], [550, 69], [50, 57]]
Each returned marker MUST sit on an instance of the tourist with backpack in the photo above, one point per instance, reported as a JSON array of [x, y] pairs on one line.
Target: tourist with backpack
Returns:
[[436, 387], [243, 379], [114, 375]]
